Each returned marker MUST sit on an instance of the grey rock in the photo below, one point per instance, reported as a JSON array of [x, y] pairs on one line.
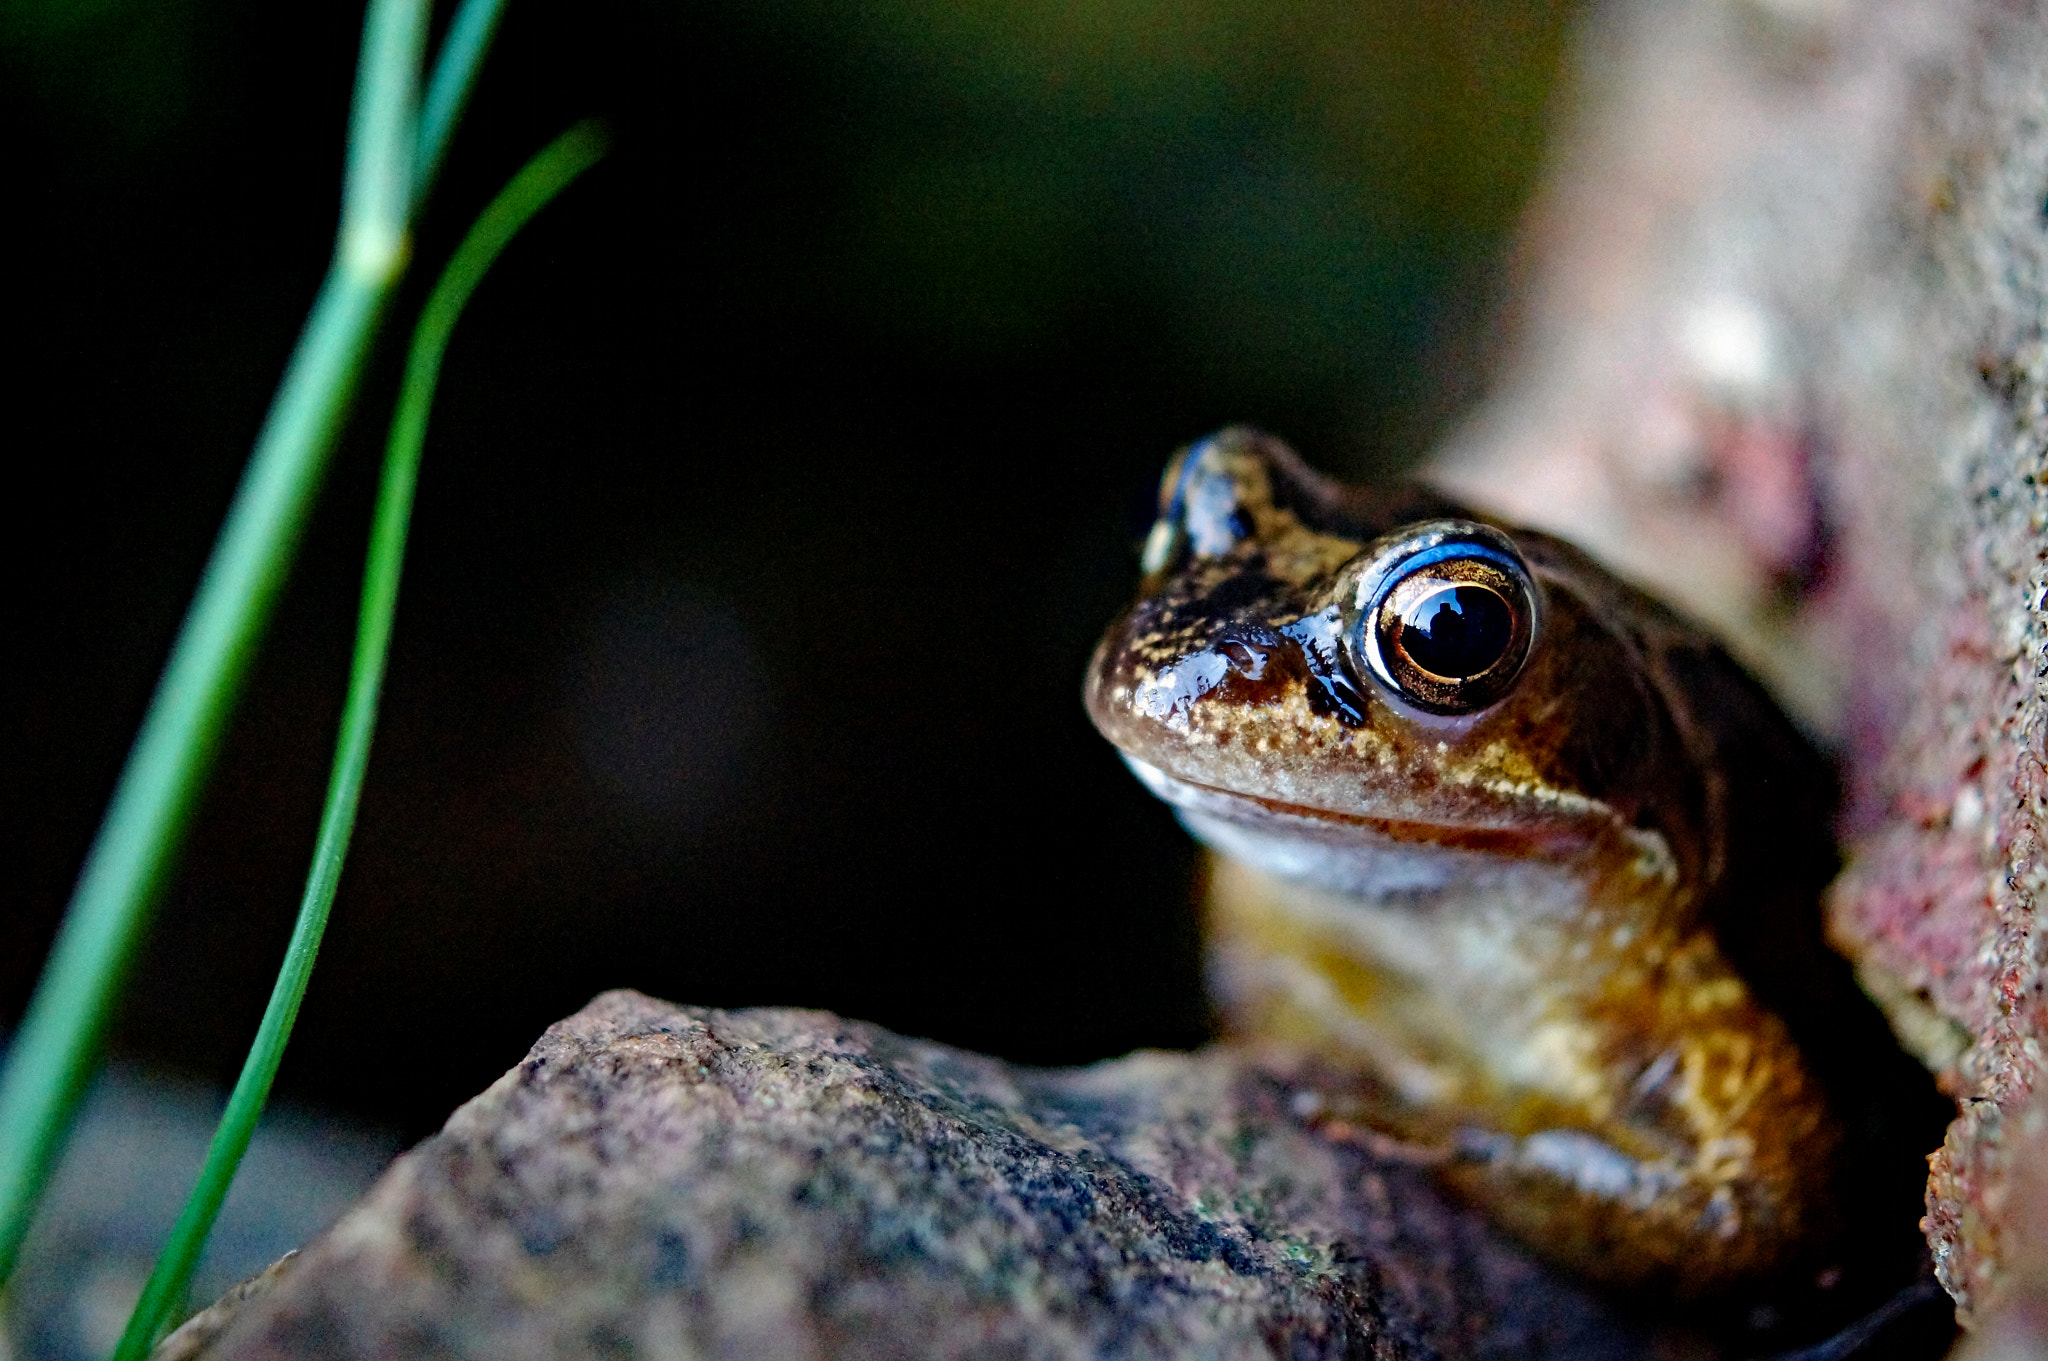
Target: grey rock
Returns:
[[667, 1181], [133, 1157]]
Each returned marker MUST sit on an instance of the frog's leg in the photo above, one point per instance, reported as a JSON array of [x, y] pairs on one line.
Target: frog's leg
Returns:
[[1640, 1119]]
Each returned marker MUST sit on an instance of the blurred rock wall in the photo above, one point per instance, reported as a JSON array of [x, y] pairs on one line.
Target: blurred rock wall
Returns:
[[1780, 355]]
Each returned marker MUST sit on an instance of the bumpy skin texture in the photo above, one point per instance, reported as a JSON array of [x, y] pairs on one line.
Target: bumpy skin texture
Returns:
[[1569, 943]]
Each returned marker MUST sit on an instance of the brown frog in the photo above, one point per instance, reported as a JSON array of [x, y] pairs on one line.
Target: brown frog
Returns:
[[1522, 852]]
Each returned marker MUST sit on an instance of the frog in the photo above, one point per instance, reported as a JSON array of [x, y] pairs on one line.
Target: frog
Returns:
[[1527, 868]]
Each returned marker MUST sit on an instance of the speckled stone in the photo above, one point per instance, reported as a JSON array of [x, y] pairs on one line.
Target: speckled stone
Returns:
[[1782, 357], [661, 1181]]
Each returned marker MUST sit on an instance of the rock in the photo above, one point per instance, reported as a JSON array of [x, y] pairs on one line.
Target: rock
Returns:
[[131, 1161], [661, 1181], [1782, 357], [192, 1337], [2014, 1326]]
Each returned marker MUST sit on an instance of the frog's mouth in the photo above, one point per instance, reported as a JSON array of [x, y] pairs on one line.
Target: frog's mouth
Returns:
[[1358, 852]]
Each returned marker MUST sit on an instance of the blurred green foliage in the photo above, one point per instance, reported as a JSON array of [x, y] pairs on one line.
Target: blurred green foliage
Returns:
[[1291, 185], [1301, 195], [124, 71]]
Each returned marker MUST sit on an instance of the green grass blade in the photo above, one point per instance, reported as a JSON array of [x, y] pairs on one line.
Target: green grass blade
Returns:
[[52, 1053], [455, 72], [383, 128], [542, 178]]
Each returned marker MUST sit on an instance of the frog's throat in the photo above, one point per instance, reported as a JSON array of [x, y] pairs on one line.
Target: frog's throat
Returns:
[[1365, 856]]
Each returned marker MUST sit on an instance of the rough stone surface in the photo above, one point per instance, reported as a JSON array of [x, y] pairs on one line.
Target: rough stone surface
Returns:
[[2015, 1328], [1783, 357], [662, 1181]]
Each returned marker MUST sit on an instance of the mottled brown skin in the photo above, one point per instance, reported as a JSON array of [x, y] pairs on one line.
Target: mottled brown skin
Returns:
[[1565, 942]]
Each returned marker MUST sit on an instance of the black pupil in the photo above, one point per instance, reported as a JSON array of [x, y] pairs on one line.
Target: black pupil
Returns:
[[1457, 631]]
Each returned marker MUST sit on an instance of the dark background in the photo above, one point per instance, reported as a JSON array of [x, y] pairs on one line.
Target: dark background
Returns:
[[781, 478]]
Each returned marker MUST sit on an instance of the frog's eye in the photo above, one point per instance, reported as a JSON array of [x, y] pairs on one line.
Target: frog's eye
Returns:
[[1445, 613]]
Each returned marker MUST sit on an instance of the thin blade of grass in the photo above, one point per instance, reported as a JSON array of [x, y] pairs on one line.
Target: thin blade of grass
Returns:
[[448, 89], [530, 190], [52, 1052]]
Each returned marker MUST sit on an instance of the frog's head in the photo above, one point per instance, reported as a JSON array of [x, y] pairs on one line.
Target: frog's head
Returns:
[[1311, 670]]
